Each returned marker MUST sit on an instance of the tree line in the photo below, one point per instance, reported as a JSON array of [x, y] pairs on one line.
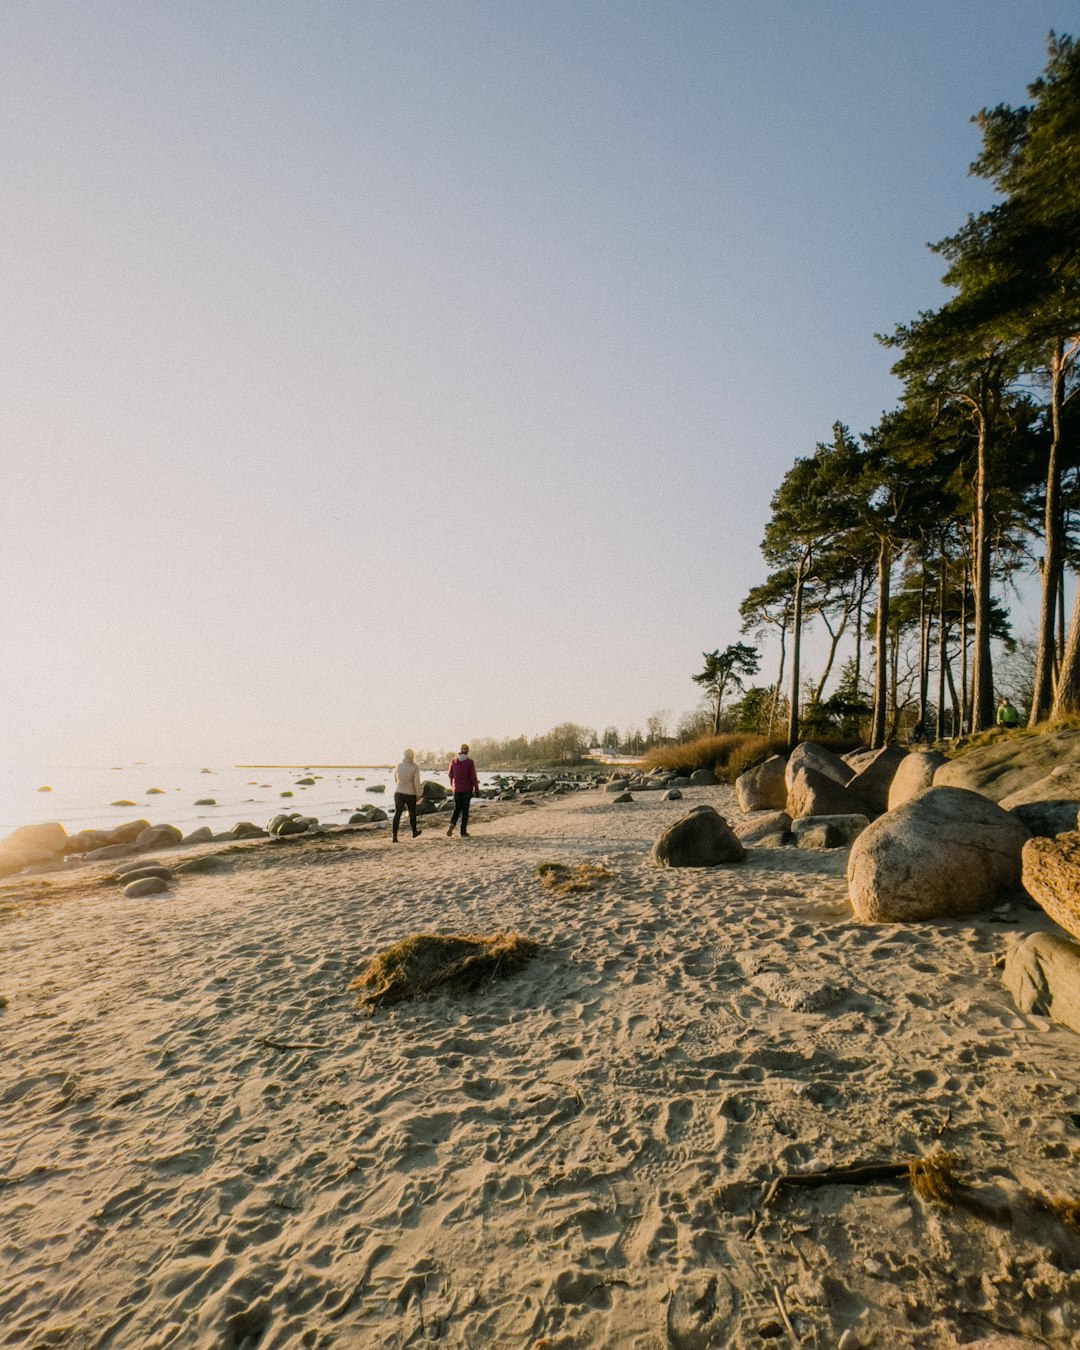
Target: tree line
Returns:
[[900, 536]]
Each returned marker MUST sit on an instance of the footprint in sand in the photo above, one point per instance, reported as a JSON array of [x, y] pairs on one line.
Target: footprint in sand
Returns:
[[700, 1311]]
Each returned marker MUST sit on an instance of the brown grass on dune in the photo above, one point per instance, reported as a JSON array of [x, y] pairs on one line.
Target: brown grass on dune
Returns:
[[727, 755], [429, 963]]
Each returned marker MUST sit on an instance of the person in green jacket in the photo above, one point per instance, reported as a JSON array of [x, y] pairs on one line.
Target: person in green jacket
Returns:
[[1007, 716]]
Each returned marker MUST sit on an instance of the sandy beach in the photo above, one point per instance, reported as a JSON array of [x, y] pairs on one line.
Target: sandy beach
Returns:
[[205, 1142]]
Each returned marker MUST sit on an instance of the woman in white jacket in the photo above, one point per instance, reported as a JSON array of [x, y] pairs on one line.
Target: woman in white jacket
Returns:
[[406, 791]]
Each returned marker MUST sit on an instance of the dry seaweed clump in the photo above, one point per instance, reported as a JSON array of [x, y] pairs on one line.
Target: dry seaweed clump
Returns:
[[934, 1178], [429, 963], [565, 880]]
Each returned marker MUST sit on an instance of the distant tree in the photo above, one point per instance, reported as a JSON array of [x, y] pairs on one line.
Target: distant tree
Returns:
[[723, 670], [656, 728], [633, 743], [753, 712], [693, 724], [813, 509], [609, 742], [769, 607]]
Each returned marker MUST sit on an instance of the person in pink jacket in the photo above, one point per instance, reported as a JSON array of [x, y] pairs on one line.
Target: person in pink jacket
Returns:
[[465, 784]]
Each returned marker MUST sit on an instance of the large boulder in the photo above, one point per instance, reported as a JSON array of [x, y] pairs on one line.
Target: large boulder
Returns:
[[816, 794], [761, 825], [1051, 875], [763, 788], [1042, 972], [701, 839], [159, 836], [85, 840], [810, 755], [32, 846], [1045, 820], [48, 839], [914, 772], [703, 778], [127, 834], [433, 792], [1010, 762], [109, 852], [944, 852], [828, 831], [245, 829], [874, 778], [1060, 784]]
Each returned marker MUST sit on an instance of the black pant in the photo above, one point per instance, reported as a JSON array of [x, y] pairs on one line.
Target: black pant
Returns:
[[403, 800], [461, 808]]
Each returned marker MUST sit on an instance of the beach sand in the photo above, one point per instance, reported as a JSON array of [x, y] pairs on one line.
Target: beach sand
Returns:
[[204, 1142]]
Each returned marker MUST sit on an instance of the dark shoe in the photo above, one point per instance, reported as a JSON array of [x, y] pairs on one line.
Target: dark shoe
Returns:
[[450, 832], [416, 832], [393, 838], [465, 835]]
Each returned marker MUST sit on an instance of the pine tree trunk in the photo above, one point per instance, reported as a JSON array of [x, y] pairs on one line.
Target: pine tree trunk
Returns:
[[779, 678], [943, 638], [1067, 699], [796, 645], [1059, 650], [924, 650], [982, 676], [957, 712], [881, 664], [1042, 694], [965, 706], [833, 644]]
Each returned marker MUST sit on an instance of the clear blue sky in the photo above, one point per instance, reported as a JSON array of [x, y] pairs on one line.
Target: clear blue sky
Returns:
[[391, 373]]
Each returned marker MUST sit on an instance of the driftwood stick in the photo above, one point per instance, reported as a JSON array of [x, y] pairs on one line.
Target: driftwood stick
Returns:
[[858, 1174], [289, 1045], [778, 1299]]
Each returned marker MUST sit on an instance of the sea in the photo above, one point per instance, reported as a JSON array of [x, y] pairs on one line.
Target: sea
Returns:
[[85, 798]]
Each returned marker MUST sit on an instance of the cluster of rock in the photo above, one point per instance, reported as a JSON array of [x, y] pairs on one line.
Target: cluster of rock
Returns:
[[42, 848], [942, 838], [144, 878], [658, 780], [929, 838]]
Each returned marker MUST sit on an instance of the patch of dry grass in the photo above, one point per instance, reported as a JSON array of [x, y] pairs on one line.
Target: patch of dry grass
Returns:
[[429, 963], [727, 755], [562, 879]]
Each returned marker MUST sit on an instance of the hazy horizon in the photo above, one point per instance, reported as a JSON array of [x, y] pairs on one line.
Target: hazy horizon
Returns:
[[388, 374]]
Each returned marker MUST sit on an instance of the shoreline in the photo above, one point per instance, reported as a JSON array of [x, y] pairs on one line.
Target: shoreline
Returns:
[[205, 1142]]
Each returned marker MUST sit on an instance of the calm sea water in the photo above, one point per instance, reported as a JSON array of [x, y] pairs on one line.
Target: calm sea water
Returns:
[[80, 797]]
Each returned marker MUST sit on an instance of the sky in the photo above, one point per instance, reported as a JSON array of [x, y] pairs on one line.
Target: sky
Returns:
[[384, 374]]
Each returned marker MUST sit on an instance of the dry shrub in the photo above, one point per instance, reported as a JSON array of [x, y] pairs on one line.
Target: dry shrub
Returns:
[[428, 963], [752, 751], [727, 755], [562, 879]]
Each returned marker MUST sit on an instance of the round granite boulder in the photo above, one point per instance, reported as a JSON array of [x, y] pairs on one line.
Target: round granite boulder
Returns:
[[944, 852], [701, 839]]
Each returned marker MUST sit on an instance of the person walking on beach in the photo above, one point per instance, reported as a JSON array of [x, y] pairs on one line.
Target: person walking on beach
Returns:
[[465, 784], [406, 791]]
